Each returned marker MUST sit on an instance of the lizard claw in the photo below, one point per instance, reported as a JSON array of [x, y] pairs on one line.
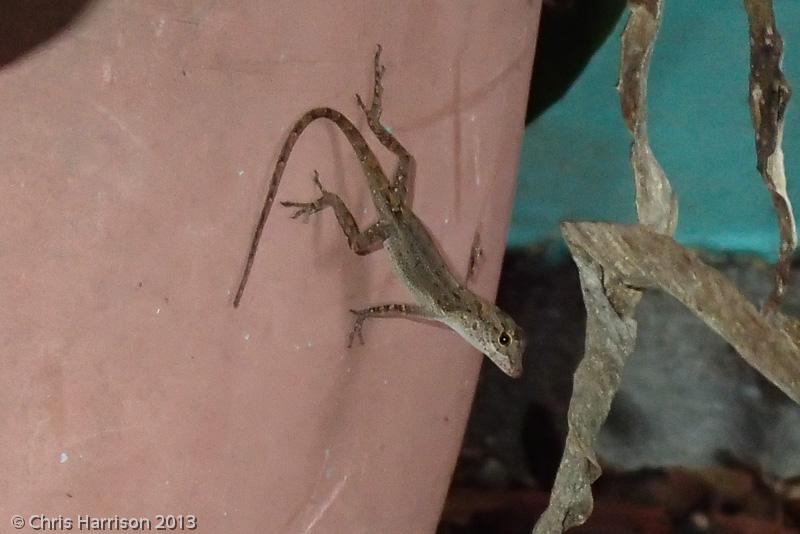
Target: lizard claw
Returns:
[[379, 68], [361, 103], [304, 209], [317, 182], [356, 331], [372, 113]]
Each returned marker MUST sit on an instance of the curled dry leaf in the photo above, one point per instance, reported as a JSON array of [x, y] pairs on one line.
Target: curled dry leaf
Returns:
[[616, 263], [644, 259], [610, 338], [656, 205], [769, 94], [610, 302]]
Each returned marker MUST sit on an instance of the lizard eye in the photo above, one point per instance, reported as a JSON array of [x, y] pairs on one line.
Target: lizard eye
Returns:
[[504, 339]]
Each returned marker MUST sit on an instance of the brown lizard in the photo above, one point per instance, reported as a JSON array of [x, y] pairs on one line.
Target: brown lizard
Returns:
[[414, 256]]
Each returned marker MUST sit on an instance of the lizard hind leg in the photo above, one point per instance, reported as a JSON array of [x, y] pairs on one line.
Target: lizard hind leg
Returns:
[[361, 242], [404, 171], [376, 106]]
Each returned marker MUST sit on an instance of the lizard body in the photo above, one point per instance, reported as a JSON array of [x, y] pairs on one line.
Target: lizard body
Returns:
[[414, 256]]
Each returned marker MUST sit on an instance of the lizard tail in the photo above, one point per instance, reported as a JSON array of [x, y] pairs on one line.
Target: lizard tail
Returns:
[[353, 136]]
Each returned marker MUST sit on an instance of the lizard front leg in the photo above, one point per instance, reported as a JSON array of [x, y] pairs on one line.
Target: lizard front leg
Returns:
[[403, 311], [406, 165], [360, 242]]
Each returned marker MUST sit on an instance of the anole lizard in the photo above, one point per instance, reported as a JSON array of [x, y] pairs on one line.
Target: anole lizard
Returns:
[[413, 254]]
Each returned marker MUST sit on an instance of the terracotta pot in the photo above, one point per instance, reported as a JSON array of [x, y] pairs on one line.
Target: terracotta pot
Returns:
[[135, 145]]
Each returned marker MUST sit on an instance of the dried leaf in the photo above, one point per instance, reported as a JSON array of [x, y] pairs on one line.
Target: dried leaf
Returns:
[[655, 203], [644, 259], [610, 338], [610, 303], [616, 263], [769, 94], [633, 258]]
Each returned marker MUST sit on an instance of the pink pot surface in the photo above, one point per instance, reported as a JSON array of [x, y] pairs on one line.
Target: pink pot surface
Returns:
[[135, 148]]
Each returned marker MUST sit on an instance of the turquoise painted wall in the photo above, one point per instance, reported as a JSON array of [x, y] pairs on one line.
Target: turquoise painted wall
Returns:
[[574, 161]]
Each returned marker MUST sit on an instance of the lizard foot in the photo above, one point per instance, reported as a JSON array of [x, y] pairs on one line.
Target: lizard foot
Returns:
[[306, 209], [475, 257], [374, 111], [357, 325]]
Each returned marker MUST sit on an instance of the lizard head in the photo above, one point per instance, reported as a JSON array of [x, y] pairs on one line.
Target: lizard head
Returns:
[[493, 332]]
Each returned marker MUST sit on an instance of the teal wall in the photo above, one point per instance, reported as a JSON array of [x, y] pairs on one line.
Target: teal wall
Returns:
[[574, 161]]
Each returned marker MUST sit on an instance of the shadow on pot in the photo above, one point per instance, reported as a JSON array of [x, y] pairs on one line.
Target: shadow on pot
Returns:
[[26, 24]]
